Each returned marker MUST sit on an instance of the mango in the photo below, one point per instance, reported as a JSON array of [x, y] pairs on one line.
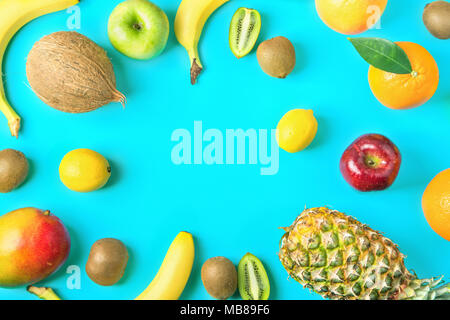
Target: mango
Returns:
[[33, 245]]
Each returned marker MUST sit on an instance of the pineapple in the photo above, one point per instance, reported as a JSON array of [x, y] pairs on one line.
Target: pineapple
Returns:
[[340, 258]]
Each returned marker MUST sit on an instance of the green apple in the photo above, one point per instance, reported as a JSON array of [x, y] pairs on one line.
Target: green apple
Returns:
[[139, 29]]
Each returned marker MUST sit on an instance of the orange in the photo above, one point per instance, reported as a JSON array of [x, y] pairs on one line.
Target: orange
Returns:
[[405, 91], [350, 16], [436, 204]]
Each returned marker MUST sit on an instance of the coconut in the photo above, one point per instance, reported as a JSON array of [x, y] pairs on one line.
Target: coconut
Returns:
[[71, 73]]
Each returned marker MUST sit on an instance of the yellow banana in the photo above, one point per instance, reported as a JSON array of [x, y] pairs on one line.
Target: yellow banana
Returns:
[[189, 22], [14, 14], [168, 283], [43, 293], [174, 272]]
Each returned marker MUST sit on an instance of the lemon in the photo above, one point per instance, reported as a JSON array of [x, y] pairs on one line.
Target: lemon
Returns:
[[296, 130], [84, 170]]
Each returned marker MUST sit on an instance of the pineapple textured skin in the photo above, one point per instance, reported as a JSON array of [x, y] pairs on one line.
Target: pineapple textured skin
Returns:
[[340, 258]]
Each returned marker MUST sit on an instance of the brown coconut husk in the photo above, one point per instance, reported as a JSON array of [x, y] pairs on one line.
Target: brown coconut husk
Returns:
[[71, 73]]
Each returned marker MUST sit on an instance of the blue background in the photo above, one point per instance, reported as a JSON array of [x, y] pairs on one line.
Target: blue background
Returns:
[[230, 209]]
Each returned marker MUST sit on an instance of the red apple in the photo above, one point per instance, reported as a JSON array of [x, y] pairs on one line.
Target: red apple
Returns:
[[371, 163], [33, 245]]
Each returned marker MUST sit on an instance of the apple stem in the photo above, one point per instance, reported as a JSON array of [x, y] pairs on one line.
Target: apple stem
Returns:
[[46, 213], [137, 26], [371, 161]]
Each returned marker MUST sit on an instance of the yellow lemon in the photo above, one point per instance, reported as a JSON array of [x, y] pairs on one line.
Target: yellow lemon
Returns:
[[84, 170], [296, 130]]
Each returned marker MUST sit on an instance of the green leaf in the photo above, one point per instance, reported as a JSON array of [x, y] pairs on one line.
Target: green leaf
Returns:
[[383, 54]]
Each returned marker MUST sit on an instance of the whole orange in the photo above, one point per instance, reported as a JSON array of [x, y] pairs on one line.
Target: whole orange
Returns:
[[405, 91], [350, 16], [436, 204]]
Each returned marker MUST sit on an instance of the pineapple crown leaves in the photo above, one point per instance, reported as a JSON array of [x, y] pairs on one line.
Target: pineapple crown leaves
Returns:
[[426, 289]]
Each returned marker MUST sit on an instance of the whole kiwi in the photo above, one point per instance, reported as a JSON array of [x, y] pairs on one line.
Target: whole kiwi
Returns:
[[436, 18], [219, 276], [13, 169], [107, 261], [276, 57]]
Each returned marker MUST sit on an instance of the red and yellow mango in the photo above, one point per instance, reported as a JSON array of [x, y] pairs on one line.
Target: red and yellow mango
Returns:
[[33, 245]]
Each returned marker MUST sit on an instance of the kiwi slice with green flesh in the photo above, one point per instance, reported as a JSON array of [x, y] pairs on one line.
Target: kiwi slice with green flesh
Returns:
[[253, 282], [244, 31]]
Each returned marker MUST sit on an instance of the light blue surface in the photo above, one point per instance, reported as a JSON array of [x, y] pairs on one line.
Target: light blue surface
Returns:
[[230, 209]]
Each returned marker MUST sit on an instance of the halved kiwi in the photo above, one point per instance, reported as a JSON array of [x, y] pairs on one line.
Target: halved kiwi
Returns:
[[244, 31], [253, 282]]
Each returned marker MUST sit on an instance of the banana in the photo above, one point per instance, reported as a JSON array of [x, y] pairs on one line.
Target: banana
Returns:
[[189, 22], [43, 293], [168, 283], [174, 272], [14, 14]]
